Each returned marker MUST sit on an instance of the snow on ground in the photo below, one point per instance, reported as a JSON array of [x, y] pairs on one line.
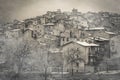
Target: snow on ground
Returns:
[[109, 72]]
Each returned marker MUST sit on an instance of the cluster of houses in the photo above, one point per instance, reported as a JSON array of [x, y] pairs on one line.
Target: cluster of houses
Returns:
[[74, 45]]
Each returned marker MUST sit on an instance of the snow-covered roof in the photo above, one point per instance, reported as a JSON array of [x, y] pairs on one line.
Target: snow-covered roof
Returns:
[[101, 39], [43, 43], [55, 50], [109, 32], [49, 24], [15, 30], [95, 28], [31, 29], [86, 44]]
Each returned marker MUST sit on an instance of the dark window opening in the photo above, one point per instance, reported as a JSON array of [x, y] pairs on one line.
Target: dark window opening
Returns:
[[67, 39], [77, 64], [63, 39]]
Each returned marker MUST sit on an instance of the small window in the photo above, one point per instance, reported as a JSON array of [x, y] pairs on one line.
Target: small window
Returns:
[[76, 70], [71, 34], [112, 43], [77, 56], [89, 50], [77, 49], [67, 39], [63, 39], [77, 64]]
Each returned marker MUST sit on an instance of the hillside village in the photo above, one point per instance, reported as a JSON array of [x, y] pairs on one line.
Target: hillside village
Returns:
[[61, 42]]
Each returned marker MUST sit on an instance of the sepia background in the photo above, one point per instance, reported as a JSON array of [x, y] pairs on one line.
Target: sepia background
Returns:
[[59, 39], [21, 9]]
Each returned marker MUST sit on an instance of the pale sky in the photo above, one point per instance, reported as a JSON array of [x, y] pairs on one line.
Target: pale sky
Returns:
[[21, 9]]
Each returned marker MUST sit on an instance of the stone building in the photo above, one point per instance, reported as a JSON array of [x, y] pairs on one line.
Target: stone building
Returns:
[[48, 28], [100, 36], [15, 33], [104, 46], [79, 55]]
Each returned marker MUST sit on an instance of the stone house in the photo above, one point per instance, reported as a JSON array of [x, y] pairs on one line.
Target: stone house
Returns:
[[99, 32], [105, 34], [15, 33], [60, 27], [41, 20], [78, 56], [94, 30], [65, 37], [115, 44], [38, 30], [106, 38], [48, 28], [102, 37], [30, 34], [104, 46]]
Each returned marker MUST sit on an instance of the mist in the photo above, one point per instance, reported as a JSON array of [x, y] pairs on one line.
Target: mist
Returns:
[[22, 9]]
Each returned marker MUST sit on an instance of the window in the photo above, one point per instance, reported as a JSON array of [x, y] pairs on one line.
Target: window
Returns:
[[0, 47], [71, 34], [89, 50], [67, 39], [77, 49], [63, 39], [112, 43], [76, 70], [32, 34], [77, 56], [77, 64]]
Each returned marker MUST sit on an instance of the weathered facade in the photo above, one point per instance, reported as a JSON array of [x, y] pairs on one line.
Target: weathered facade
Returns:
[[82, 53]]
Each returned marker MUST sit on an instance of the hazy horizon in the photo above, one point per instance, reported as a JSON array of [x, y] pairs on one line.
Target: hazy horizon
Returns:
[[22, 9]]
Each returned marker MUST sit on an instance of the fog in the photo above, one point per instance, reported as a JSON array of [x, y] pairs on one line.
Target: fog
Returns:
[[21, 9]]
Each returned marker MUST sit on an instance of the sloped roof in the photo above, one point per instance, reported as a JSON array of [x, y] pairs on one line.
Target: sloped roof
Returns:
[[31, 29], [109, 32], [16, 30], [95, 28], [101, 39], [49, 24], [55, 50], [86, 44]]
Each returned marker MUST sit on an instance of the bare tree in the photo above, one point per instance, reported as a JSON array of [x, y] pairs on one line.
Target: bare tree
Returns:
[[23, 50], [46, 62], [16, 50], [73, 57]]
